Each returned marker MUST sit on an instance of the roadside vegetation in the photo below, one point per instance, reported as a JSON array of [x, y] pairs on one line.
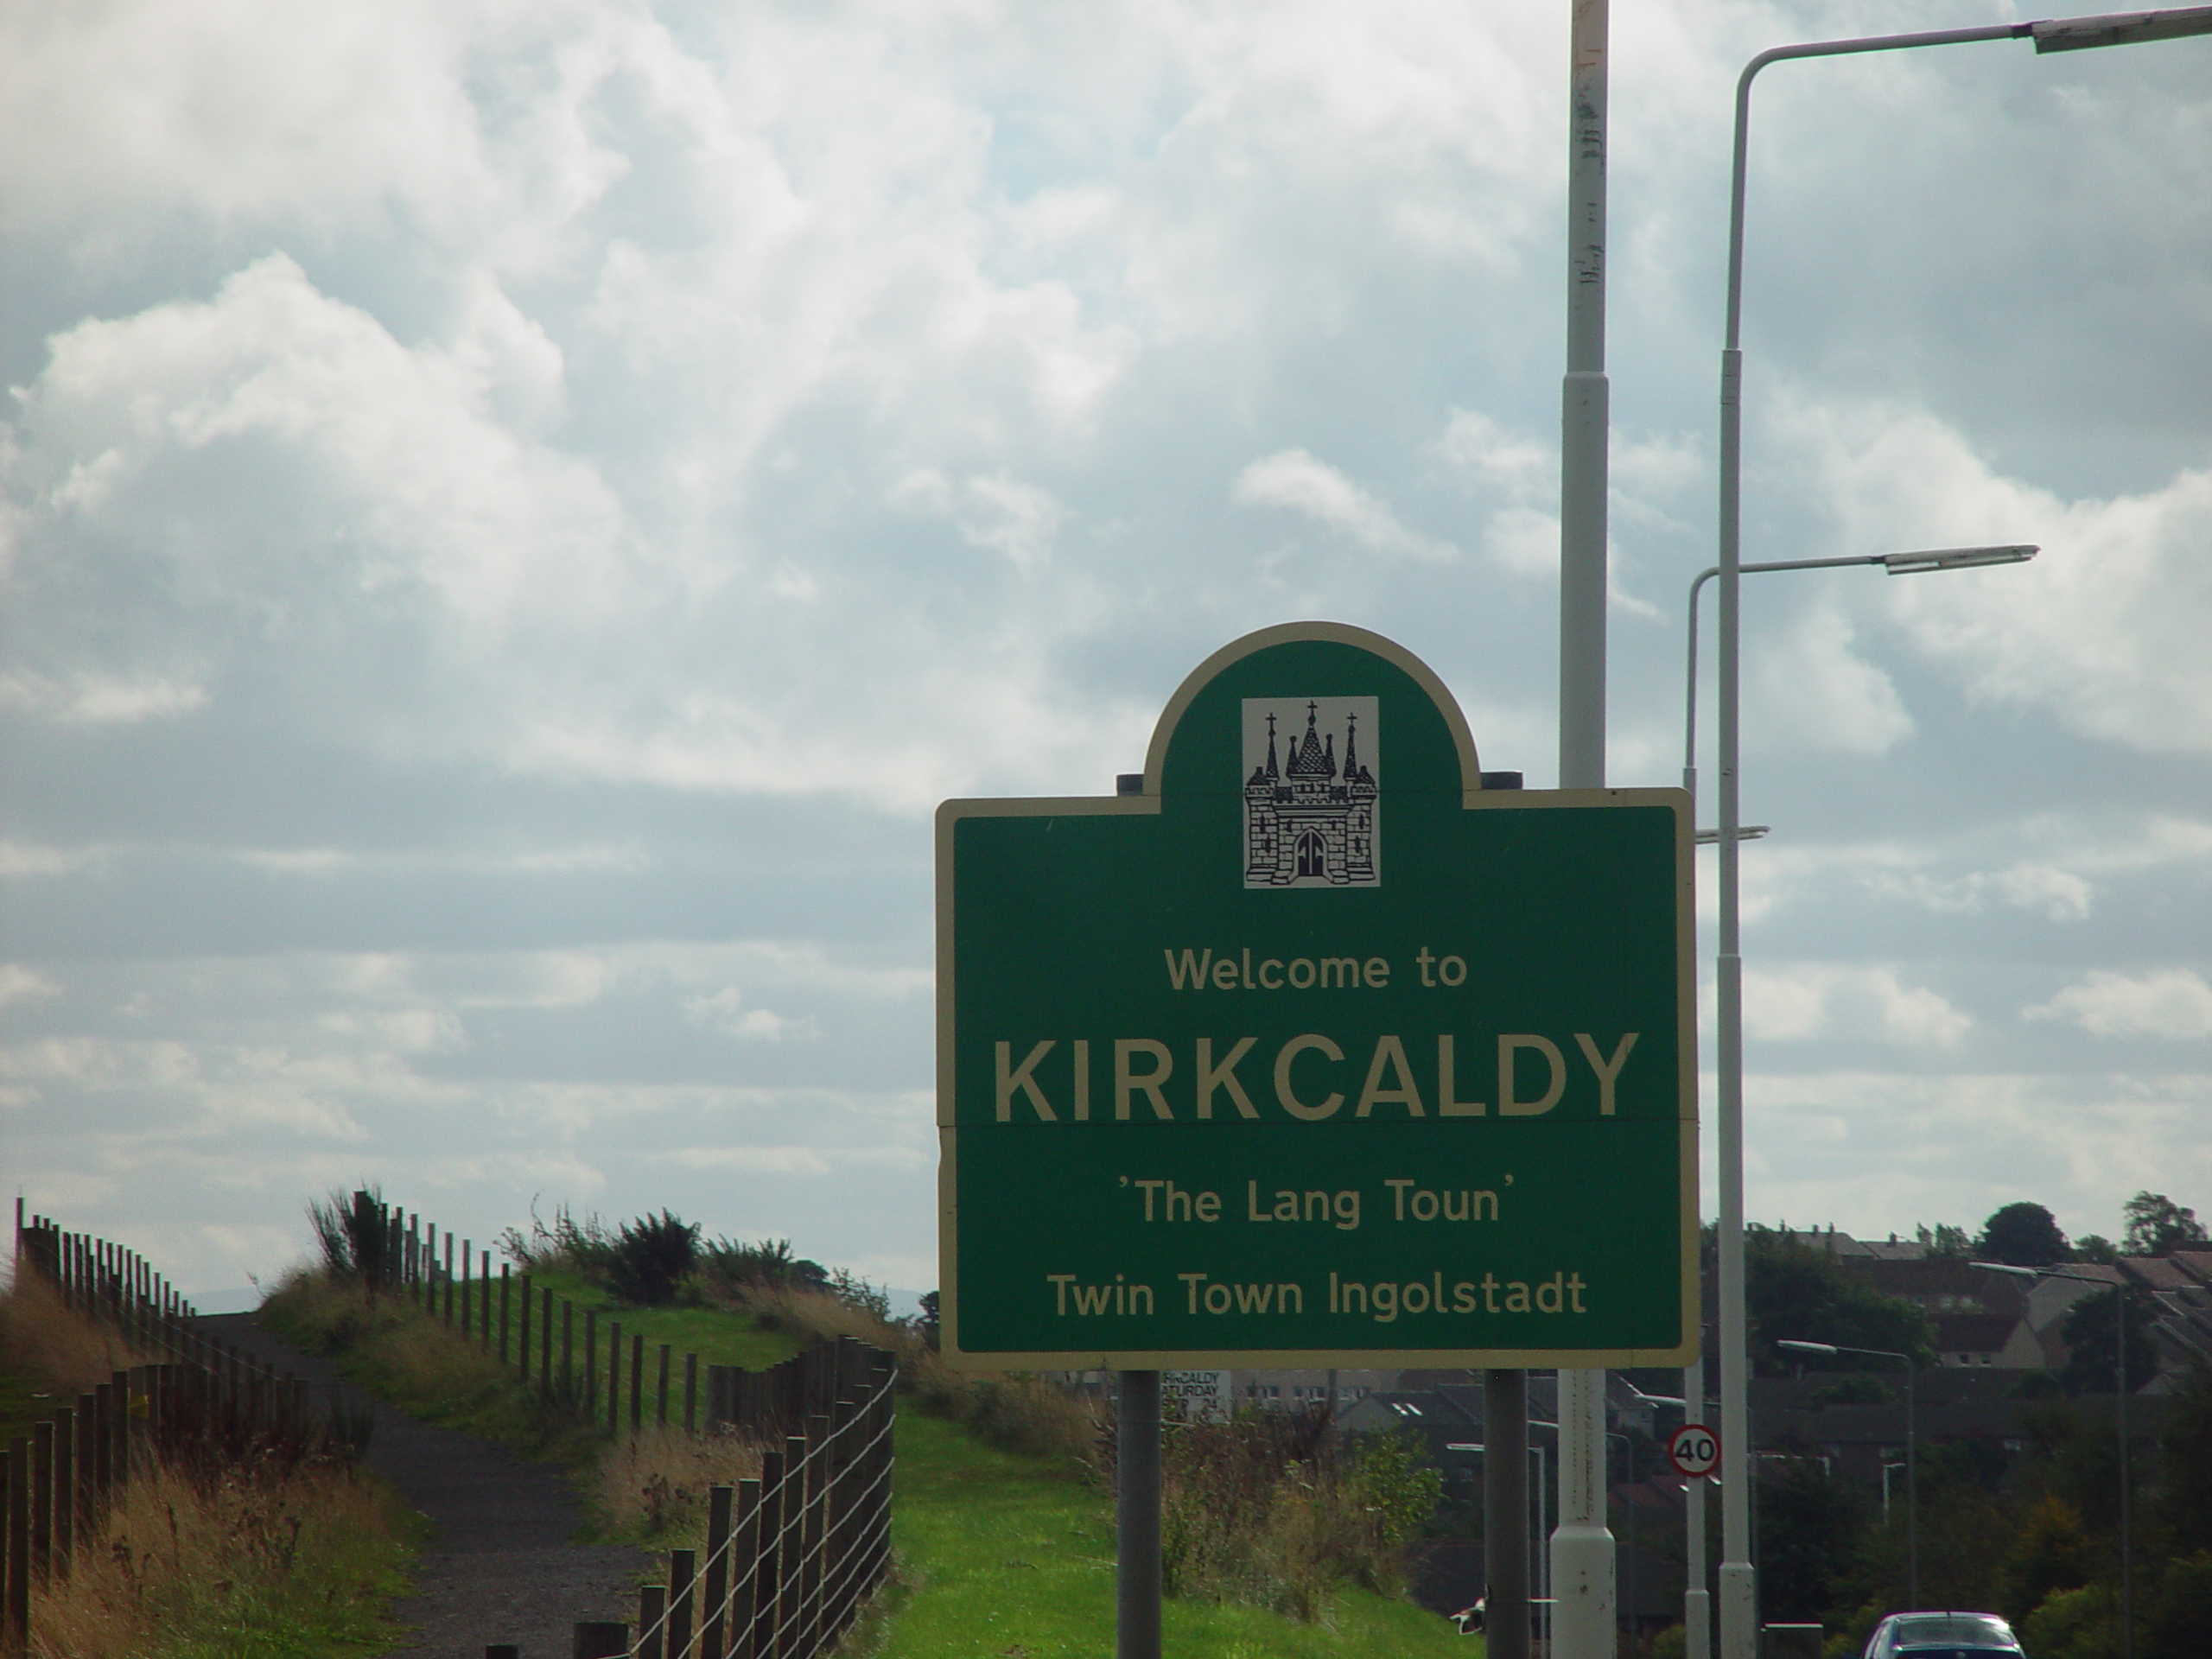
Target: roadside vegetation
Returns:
[[1279, 1542], [291, 1553]]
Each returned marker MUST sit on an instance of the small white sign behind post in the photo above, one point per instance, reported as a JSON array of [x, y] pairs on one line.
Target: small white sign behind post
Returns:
[[1203, 1395]]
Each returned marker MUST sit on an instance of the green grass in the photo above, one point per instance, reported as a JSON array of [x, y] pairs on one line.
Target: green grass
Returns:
[[719, 1337], [1001, 1556]]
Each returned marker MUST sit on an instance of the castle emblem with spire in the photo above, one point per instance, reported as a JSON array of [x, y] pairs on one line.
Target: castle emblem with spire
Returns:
[[1309, 821]]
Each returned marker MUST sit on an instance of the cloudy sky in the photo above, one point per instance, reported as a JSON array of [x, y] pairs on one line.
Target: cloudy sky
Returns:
[[514, 513]]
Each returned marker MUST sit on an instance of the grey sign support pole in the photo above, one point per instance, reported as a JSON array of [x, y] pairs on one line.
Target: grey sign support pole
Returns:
[[1136, 1518], [1505, 1513], [1136, 1482]]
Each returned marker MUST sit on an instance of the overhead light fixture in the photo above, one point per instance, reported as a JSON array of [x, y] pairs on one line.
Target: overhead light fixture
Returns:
[[1959, 558]]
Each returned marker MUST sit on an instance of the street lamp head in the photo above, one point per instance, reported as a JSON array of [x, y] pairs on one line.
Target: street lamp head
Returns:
[[2120, 29], [1960, 558], [2006, 1267], [1827, 1348]]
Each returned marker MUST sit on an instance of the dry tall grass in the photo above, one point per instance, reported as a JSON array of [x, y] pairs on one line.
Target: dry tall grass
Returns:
[[183, 1557], [652, 1486], [67, 1354], [291, 1541]]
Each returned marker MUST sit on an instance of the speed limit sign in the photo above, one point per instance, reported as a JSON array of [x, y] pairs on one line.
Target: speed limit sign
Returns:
[[1694, 1450]]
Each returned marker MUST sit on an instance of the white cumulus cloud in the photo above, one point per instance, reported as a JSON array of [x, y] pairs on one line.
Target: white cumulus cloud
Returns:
[[1297, 481], [2167, 1002]]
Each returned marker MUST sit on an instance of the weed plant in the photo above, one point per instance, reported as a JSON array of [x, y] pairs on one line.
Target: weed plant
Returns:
[[1270, 1509], [650, 1487]]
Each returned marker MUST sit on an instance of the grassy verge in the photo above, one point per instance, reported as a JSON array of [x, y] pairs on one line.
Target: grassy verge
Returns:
[[648, 1489], [1002, 1556], [404, 1355]]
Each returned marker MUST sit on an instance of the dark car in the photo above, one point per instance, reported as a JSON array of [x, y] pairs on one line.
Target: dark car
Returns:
[[1941, 1636]]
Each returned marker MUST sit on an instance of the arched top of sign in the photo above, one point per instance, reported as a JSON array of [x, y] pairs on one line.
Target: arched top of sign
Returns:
[[1298, 665]]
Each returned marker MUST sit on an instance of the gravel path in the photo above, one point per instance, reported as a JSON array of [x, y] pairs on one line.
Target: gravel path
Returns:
[[501, 1567]]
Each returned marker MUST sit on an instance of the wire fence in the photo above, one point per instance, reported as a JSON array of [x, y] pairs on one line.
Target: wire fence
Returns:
[[792, 1557]]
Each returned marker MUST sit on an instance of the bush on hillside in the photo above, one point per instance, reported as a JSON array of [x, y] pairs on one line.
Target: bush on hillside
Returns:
[[651, 1257]]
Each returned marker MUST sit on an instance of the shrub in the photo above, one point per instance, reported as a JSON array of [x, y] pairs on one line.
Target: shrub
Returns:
[[727, 1266], [349, 1230], [2082, 1624], [1270, 1509], [650, 1256]]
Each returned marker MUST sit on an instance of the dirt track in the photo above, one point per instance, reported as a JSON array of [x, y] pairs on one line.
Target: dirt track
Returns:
[[502, 1567]]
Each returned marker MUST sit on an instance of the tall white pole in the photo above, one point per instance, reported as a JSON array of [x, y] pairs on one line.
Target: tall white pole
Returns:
[[1739, 1591], [1583, 1610], [1697, 1611]]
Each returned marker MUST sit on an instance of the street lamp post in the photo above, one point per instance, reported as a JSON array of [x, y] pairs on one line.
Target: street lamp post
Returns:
[[2119, 1411], [1830, 1350], [1738, 1590], [1897, 564]]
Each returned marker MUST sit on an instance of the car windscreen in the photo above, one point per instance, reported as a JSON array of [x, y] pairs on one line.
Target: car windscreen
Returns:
[[1950, 1630]]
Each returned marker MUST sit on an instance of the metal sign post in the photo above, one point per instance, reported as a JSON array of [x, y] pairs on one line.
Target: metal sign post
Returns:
[[1315, 1052]]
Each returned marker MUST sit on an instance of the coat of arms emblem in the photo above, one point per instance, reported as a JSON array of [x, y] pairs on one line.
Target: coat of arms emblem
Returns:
[[1311, 818]]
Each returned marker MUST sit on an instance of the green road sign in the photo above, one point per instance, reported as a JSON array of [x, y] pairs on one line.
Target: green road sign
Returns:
[[1316, 1053]]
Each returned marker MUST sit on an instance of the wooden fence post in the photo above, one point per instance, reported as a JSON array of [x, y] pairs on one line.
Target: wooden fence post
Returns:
[[637, 1384], [591, 1364], [87, 1456], [690, 1389], [614, 1377], [713, 1621], [767, 1572], [663, 1385], [42, 1500], [745, 1559], [19, 1544], [682, 1571], [600, 1639], [64, 1491], [652, 1621], [504, 1287]]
